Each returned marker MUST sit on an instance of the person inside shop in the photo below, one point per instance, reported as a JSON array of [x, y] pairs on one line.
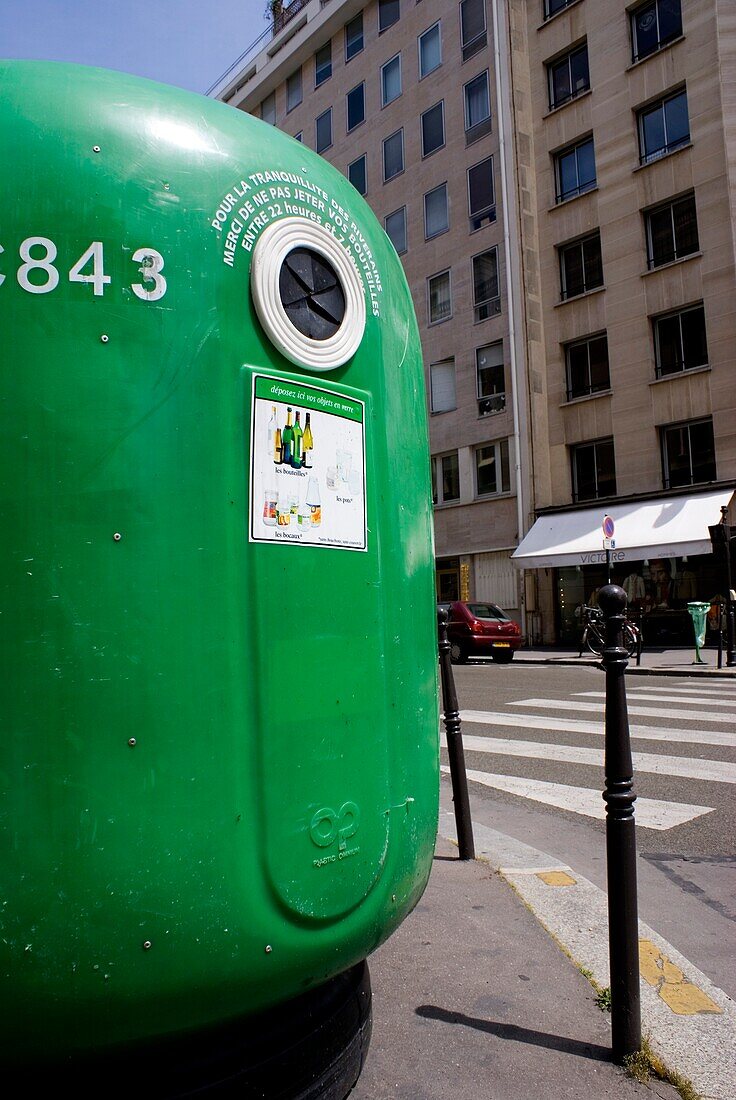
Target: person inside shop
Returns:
[[664, 593]]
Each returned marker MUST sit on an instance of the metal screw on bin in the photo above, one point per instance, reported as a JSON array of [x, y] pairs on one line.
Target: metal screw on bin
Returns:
[[623, 923], [463, 821]]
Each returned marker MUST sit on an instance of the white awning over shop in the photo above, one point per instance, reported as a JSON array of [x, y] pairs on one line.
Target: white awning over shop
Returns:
[[667, 528]]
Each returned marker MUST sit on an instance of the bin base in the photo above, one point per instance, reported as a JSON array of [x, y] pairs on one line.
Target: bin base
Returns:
[[309, 1048]]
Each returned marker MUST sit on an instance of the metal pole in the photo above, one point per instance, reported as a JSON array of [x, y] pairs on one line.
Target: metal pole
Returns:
[[730, 654], [463, 820], [720, 634], [623, 930]]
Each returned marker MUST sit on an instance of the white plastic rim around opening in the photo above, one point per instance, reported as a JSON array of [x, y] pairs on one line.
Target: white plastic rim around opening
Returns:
[[272, 247]]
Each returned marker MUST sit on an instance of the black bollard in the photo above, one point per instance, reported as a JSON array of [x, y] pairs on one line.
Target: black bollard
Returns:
[[623, 921], [463, 821]]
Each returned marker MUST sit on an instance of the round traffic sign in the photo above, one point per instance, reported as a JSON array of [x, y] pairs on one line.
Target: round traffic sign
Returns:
[[608, 526]]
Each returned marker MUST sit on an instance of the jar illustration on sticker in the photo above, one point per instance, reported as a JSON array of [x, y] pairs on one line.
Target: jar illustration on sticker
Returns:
[[283, 510], [270, 507], [313, 502]]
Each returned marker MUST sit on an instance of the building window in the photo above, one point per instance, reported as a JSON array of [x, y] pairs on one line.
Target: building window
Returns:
[[393, 155], [477, 108], [593, 470], [436, 214], [430, 51], [433, 129], [357, 175], [490, 380], [568, 77], [442, 385], [551, 7], [486, 299], [445, 478], [654, 26], [472, 27], [268, 109], [581, 266], [575, 170], [353, 37], [439, 298], [492, 474], [586, 367], [299, 137], [663, 127], [395, 225], [388, 14], [294, 90], [356, 106], [672, 231], [323, 131], [391, 80], [323, 64], [481, 196], [688, 453], [679, 341]]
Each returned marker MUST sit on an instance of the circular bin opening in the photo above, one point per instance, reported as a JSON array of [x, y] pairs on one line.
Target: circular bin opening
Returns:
[[307, 293]]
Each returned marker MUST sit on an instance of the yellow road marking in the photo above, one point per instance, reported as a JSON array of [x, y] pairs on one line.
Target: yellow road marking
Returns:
[[679, 994], [556, 878]]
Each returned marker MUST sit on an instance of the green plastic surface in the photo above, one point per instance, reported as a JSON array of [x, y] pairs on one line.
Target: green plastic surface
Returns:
[[218, 757]]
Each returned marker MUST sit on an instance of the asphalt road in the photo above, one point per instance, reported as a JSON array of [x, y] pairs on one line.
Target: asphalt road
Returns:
[[543, 726]]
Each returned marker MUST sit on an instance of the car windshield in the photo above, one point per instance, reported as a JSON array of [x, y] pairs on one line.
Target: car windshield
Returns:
[[487, 611]]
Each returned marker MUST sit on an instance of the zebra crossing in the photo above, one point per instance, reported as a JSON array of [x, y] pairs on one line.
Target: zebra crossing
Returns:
[[692, 706]]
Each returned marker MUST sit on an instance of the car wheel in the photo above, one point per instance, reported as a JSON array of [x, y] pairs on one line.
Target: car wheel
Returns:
[[458, 653], [502, 656]]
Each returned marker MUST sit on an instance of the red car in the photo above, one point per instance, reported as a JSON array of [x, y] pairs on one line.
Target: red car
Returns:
[[480, 630]]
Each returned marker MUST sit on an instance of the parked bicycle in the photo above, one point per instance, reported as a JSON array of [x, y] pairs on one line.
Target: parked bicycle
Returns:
[[594, 633]]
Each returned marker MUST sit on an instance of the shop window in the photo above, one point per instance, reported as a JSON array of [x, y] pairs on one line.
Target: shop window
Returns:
[[679, 341], [664, 126], [393, 155], [568, 77], [672, 231], [442, 386], [654, 26], [433, 129], [391, 80], [575, 170], [688, 453], [388, 14], [492, 473], [323, 131], [436, 212], [294, 90], [477, 108], [395, 226], [581, 266], [593, 470], [486, 298], [357, 175], [355, 106], [353, 37], [430, 51], [323, 64], [490, 380], [481, 194], [586, 365], [472, 27], [439, 298], [445, 478]]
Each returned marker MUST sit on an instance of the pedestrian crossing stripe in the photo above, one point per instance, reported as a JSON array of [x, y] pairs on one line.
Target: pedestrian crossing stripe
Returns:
[[724, 738], [648, 712], [640, 696], [684, 767], [649, 813]]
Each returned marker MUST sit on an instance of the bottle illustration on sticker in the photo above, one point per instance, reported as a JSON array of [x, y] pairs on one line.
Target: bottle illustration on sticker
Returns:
[[307, 445], [313, 502]]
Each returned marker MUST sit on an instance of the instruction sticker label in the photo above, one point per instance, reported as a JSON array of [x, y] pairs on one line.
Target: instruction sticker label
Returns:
[[307, 476]]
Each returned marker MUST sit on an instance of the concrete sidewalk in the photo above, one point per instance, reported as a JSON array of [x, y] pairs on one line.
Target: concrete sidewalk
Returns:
[[660, 662], [474, 999]]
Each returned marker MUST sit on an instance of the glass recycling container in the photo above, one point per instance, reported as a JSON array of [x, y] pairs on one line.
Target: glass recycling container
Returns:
[[219, 757]]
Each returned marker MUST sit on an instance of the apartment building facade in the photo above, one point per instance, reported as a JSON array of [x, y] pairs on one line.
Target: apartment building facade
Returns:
[[558, 179]]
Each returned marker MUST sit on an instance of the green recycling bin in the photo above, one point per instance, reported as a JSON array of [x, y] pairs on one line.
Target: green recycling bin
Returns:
[[219, 760], [699, 615]]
